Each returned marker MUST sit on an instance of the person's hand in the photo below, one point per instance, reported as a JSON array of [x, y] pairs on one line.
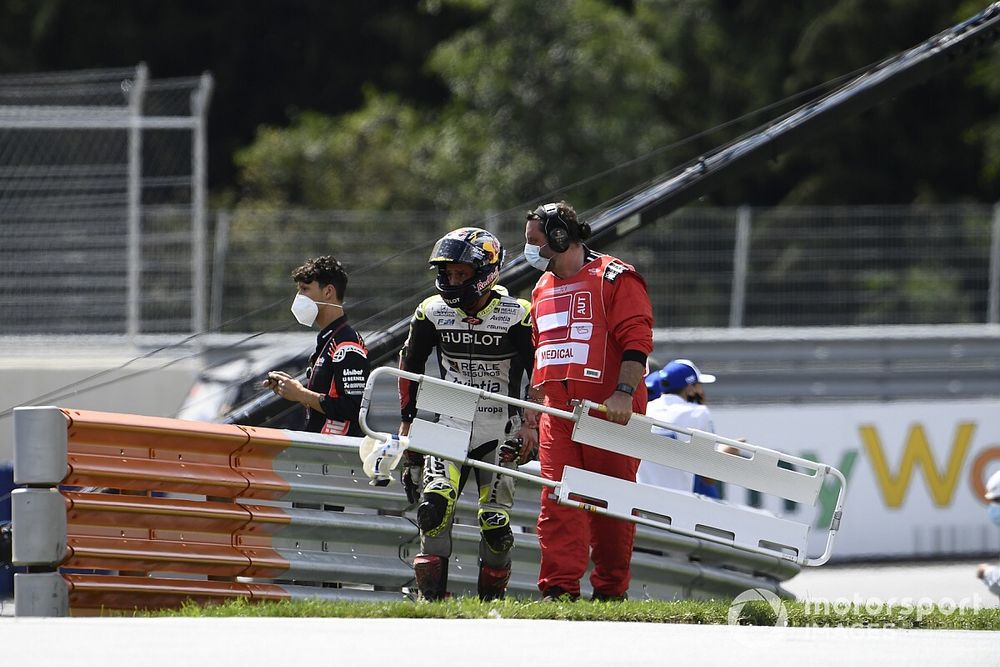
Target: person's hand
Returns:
[[284, 385], [981, 570], [619, 407], [515, 450], [529, 443]]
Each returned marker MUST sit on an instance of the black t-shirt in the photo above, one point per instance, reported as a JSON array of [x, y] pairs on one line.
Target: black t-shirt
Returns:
[[338, 370]]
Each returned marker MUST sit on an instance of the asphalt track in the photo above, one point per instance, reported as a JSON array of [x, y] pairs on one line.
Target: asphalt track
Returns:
[[273, 642]]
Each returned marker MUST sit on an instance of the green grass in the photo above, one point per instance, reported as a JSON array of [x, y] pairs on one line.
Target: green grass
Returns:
[[682, 611]]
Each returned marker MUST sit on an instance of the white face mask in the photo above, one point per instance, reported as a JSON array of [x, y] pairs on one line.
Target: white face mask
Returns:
[[306, 310], [533, 255]]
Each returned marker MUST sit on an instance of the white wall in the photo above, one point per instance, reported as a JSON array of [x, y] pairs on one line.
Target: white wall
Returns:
[[914, 470], [158, 392]]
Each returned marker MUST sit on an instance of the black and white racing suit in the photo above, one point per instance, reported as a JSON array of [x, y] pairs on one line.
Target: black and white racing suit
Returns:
[[491, 350]]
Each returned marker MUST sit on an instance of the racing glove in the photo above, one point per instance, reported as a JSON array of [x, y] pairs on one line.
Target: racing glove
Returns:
[[411, 474], [510, 452]]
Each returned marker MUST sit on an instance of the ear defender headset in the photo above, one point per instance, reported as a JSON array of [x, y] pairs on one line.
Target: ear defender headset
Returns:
[[555, 226]]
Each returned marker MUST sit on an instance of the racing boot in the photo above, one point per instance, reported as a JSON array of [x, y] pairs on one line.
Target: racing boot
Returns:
[[431, 573], [492, 583]]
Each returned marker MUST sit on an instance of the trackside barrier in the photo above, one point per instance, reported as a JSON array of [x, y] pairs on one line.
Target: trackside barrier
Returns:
[[765, 470], [66, 518], [124, 512]]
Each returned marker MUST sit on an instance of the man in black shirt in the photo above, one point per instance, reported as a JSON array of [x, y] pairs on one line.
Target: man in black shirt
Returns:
[[339, 367]]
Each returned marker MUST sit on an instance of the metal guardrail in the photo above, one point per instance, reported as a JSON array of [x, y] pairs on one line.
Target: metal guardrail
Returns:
[[227, 529], [803, 365]]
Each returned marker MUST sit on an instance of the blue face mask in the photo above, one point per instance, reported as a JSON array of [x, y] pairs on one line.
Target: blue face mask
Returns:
[[994, 512], [533, 255]]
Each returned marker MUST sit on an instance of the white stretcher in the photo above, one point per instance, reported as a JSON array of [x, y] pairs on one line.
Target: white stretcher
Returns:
[[707, 454]]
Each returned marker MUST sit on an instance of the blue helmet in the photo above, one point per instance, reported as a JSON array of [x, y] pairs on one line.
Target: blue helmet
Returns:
[[673, 377], [653, 385]]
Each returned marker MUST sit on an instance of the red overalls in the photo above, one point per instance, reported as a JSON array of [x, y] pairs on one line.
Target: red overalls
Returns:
[[582, 326]]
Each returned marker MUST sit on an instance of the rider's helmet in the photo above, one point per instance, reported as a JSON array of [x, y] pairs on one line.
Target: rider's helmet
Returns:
[[468, 245]]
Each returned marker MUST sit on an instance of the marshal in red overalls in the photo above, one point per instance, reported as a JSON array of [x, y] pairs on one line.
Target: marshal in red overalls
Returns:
[[584, 326]]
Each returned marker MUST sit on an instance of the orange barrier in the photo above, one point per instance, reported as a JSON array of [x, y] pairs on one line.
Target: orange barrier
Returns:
[[133, 533], [91, 595], [153, 454], [254, 461], [143, 534]]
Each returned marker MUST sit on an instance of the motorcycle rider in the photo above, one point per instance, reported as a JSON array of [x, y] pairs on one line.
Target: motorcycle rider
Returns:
[[483, 339]]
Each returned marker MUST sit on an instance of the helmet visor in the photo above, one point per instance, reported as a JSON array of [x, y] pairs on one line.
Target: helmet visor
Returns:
[[456, 250]]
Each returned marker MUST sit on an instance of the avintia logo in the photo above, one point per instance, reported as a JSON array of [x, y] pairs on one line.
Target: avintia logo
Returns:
[[758, 595]]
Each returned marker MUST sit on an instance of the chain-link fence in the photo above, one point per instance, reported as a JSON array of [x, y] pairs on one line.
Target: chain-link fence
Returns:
[[705, 267], [822, 266], [103, 230], [102, 195], [385, 255]]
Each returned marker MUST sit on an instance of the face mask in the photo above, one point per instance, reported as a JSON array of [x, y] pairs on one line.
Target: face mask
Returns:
[[306, 310], [533, 255], [994, 512]]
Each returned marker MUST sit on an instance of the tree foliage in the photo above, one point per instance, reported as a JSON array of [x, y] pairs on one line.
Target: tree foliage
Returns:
[[271, 59], [455, 103], [471, 105], [542, 96]]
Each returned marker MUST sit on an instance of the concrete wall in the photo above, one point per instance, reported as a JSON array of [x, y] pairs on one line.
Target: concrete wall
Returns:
[[151, 389]]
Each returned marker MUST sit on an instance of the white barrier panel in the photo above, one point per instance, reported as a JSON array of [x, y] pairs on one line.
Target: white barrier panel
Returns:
[[916, 471]]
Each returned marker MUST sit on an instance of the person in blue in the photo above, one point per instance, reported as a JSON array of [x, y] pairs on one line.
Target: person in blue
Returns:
[[990, 574], [679, 399]]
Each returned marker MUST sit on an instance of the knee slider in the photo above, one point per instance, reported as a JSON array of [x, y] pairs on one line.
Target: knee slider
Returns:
[[495, 527], [434, 514]]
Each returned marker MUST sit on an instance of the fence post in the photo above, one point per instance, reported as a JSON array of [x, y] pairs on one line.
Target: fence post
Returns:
[[219, 253], [993, 297], [199, 152], [136, 95], [741, 250]]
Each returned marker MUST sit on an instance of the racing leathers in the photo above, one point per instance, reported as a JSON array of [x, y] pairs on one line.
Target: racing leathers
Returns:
[[338, 369], [490, 350]]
